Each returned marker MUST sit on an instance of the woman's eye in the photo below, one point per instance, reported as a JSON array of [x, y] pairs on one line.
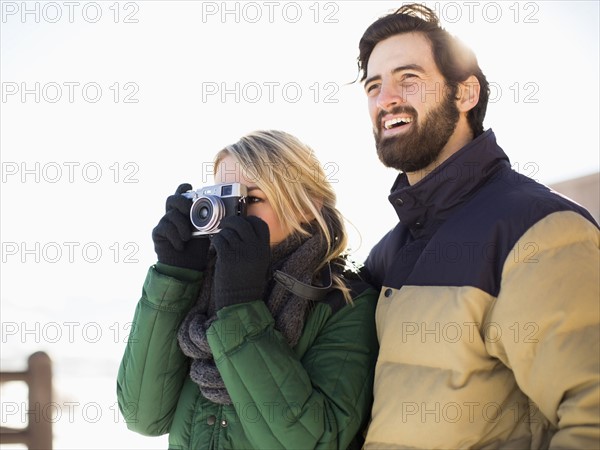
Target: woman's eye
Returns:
[[253, 200]]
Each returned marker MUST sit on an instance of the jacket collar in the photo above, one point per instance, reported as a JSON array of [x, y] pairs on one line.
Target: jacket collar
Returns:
[[423, 207]]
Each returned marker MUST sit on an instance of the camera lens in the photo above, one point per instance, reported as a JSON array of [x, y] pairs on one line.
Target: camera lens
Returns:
[[203, 212], [206, 213]]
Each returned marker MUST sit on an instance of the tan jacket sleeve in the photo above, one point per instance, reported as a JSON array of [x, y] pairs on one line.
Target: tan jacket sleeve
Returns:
[[547, 319]]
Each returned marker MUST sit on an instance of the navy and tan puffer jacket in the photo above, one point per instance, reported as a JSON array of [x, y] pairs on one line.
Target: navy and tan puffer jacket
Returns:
[[488, 316]]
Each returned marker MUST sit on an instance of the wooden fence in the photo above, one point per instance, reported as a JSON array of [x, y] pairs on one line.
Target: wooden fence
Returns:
[[38, 432]]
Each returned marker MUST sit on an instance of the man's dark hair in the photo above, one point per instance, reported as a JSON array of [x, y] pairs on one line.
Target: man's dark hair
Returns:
[[455, 61]]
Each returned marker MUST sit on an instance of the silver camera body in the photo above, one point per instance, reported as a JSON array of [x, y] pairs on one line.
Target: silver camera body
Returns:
[[213, 203]]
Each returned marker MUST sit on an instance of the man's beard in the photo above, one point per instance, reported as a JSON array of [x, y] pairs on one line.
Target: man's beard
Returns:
[[422, 145]]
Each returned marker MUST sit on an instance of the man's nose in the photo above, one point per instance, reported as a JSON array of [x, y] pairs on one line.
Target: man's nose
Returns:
[[389, 96]]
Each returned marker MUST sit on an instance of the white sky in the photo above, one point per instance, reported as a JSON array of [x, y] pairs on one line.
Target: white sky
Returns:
[[290, 67]]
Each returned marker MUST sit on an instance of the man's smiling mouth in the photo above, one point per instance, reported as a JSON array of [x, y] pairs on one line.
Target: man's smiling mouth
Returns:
[[396, 122]]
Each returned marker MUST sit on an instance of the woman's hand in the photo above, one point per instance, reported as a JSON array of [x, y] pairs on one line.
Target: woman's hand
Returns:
[[172, 236], [243, 260]]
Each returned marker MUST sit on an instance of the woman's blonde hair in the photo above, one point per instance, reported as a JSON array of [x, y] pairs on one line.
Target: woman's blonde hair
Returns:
[[294, 182]]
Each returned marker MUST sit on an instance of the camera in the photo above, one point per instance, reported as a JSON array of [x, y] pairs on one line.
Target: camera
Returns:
[[212, 203]]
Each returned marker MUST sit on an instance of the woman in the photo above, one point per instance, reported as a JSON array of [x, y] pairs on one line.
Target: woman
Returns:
[[227, 351]]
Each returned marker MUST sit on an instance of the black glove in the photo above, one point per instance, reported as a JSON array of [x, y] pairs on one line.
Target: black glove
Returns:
[[172, 236], [243, 260]]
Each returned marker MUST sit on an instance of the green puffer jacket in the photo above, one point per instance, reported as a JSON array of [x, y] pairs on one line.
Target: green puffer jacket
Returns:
[[317, 395]]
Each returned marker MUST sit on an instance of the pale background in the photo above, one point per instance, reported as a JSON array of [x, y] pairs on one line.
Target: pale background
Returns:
[[84, 183]]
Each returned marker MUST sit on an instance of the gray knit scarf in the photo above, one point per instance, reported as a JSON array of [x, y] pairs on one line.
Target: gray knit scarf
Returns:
[[297, 256]]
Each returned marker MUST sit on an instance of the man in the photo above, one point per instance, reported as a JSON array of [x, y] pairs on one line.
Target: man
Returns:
[[488, 316]]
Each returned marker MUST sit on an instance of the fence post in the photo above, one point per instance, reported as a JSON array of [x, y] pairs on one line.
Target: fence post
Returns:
[[40, 396]]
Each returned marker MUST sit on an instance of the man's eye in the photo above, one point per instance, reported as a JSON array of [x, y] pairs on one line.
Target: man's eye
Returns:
[[370, 88]]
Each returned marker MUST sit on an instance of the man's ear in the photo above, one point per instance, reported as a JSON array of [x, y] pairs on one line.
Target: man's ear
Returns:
[[467, 95]]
